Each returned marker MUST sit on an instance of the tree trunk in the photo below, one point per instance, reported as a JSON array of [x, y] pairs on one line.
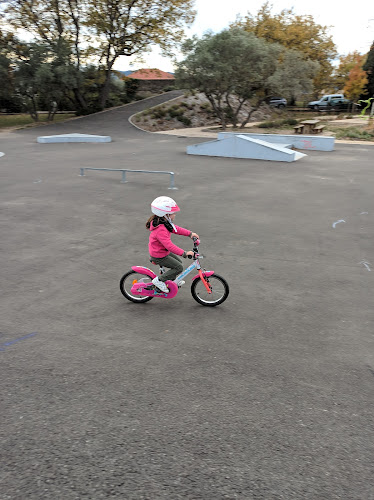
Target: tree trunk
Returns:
[[79, 99], [104, 94], [217, 109], [33, 110], [244, 123]]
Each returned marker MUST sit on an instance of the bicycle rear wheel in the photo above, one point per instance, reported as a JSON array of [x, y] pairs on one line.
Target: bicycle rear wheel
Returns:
[[219, 288], [126, 283]]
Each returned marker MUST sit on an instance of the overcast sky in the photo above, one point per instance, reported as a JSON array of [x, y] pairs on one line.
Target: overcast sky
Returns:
[[352, 25]]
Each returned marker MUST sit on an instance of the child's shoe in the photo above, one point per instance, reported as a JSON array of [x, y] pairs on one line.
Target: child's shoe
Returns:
[[160, 285]]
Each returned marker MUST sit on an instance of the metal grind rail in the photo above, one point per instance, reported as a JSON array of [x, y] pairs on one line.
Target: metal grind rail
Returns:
[[124, 170]]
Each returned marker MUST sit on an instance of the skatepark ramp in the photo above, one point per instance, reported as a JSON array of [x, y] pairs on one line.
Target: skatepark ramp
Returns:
[[73, 138], [243, 146], [309, 142]]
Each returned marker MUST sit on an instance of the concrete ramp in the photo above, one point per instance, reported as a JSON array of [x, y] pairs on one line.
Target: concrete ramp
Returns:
[[242, 146], [74, 138], [298, 141]]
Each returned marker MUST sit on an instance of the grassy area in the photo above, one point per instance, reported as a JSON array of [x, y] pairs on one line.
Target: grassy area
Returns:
[[286, 123], [23, 120], [352, 133]]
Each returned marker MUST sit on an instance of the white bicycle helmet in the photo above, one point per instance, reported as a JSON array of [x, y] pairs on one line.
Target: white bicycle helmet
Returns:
[[163, 205]]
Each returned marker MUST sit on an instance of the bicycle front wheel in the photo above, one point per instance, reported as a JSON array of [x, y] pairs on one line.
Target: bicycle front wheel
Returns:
[[126, 283], [218, 286]]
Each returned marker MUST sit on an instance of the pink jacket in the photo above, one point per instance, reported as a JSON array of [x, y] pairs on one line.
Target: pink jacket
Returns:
[[160, 244]]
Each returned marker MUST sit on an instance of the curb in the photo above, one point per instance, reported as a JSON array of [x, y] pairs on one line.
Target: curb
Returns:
[[152, 107]]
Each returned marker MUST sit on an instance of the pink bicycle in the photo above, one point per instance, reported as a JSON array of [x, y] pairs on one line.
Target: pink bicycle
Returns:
[[208, 288]]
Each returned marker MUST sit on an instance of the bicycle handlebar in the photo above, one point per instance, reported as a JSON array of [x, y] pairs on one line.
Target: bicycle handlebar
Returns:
[[196, 244]]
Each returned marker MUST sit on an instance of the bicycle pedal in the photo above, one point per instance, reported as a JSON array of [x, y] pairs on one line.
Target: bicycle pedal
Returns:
[[181, 283]]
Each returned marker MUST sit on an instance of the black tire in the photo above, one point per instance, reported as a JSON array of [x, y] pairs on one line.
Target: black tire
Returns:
[[125, 287], [205, 299], [281, 106], [316, 108]]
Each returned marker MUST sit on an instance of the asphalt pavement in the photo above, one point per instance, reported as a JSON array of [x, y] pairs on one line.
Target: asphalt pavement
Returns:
[[267, 396]]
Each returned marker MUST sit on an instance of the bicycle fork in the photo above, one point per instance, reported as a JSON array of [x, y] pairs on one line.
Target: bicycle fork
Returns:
[[208, 289]]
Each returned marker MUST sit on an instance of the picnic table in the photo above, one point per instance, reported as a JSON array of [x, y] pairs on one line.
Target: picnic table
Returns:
[[309, 127]]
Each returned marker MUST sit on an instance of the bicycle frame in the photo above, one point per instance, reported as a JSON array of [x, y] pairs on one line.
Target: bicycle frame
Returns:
[[195, 265]]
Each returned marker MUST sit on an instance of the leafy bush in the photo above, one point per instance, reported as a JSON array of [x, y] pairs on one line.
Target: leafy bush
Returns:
[[158, 113], [11, 105], [185, 120], [278, 123], [290, 121], [354, 133], [131, 86], [206, 106], [267, 125], [176, 113]]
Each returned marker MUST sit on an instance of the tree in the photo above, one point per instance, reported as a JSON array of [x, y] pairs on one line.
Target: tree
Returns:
[[57, 24], [234, 67], [295, 32], [294, 75], [104, 29], [346, 64], [6, 86], [130, 27], [368, 66], [356, 81], [32, 75]]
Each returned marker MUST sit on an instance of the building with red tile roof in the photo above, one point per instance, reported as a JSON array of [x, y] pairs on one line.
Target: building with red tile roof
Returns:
[[153, 80], [151, 74]]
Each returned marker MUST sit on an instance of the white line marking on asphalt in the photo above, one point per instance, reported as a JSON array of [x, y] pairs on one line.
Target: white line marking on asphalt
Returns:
[[337, 222], [366, 264]]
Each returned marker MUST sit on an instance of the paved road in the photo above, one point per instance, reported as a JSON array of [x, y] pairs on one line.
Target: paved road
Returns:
[[269, 395]]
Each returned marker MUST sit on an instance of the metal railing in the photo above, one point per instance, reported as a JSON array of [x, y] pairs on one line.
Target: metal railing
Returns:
[[124, 170]]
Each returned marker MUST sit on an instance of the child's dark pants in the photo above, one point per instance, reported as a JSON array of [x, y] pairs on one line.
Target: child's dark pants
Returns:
[[174, 262]]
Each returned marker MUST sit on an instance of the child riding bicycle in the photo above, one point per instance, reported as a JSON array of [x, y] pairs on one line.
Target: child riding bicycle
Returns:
[[161, 249]]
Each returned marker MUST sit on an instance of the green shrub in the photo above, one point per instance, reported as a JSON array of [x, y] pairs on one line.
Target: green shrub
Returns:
[[206, 106], [176, 113], [278, 123], [158, 113], [289, 121], [267, 125], [354, 133], [185, 120]]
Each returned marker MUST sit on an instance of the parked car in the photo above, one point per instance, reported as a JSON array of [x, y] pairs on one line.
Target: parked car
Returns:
[[336, 101], [277, 102]]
